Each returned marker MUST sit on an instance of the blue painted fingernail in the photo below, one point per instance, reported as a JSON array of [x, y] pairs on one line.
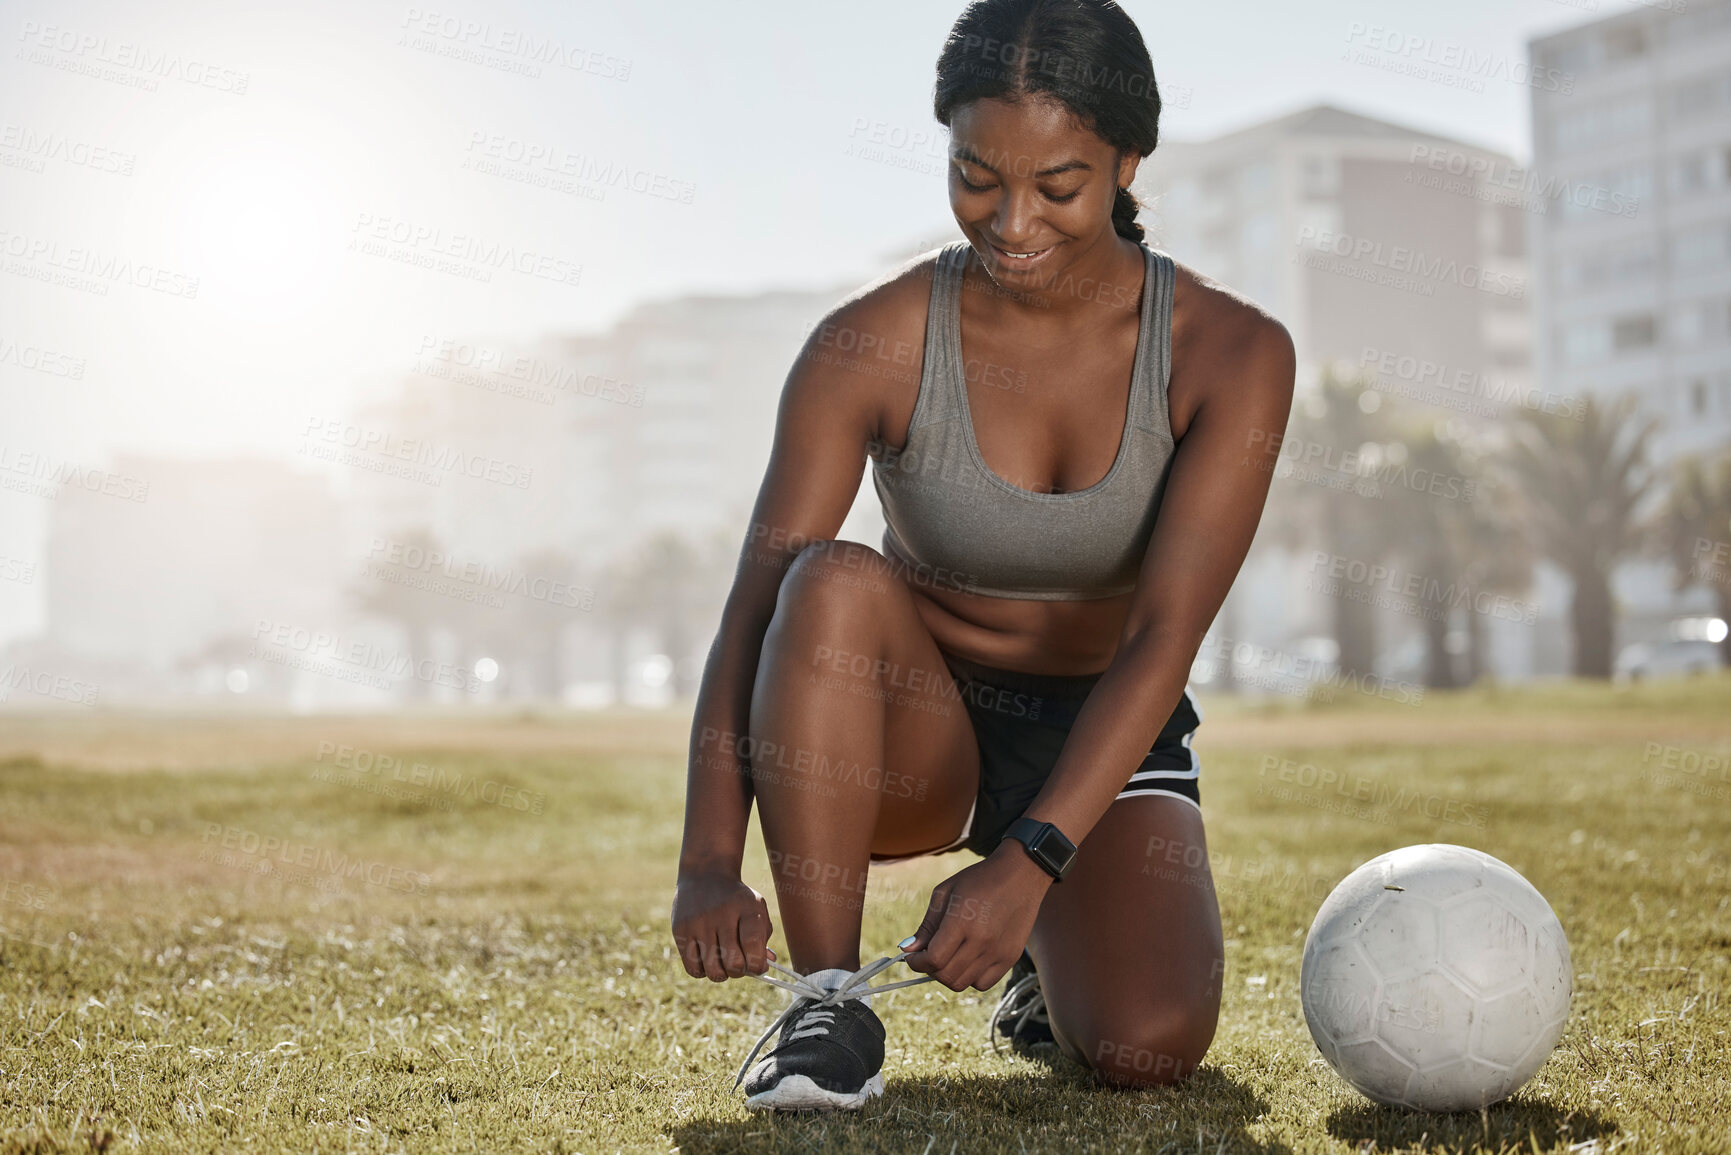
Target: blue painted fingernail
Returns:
[[907, 942]]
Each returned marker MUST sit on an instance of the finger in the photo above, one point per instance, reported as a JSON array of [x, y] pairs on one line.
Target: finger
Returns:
[[963, 964], [689, 955], [712, 958], [994, 973], [728, 950], [732, 950], [963, 977], [920, 959], [986, 973], [945, 950], [754, 937]]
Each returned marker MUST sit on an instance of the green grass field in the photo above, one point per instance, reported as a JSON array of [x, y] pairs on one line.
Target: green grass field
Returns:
[[225, 934]]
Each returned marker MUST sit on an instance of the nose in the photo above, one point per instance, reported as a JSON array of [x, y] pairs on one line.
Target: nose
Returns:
[[1017, 219]]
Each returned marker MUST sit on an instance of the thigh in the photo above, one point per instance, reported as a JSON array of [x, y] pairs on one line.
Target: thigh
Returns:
[[846, 627], [1129, 945]]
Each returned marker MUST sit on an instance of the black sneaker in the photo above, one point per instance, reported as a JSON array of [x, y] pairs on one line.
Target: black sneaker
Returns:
[[828, 1058], [1020, 1019]]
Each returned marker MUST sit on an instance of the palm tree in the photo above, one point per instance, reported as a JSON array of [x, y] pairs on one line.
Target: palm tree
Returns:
[[1466, 546], [1694, 526], [1324, 496], [1495, 556], [418, 611], [1580, 483], [676, 588], [551, 599]]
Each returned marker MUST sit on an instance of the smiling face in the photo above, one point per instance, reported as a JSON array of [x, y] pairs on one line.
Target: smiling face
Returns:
[[1031, 187]]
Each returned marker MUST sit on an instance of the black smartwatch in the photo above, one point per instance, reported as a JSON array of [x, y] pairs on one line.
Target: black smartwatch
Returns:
[[1046, 845]]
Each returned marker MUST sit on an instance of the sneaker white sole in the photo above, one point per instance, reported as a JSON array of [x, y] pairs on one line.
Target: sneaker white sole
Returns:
[[799, 1093]]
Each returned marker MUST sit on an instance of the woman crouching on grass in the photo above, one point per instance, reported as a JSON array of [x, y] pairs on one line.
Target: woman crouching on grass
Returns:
[[1070, 482]]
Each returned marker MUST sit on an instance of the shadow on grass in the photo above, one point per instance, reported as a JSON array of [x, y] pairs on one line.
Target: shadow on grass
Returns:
[[1060, 1108], [1516, 1122]]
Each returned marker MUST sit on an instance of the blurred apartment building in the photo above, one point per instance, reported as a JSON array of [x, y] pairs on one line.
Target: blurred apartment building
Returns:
[[488, 502], [1633, 263], [1364, 237], [658, 428], [160, 597], [1392, 258]]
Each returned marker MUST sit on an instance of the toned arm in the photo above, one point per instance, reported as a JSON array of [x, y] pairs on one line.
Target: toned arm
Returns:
[[830, 411], [1243, 372]]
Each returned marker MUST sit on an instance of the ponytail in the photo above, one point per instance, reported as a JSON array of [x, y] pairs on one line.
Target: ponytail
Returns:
[[1124, 209]]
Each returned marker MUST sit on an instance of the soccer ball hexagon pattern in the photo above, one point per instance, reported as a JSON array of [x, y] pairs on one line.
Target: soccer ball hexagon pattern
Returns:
[[1435, 977]]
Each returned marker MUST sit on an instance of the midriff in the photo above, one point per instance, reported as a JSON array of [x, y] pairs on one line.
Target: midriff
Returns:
[[1036, 637]]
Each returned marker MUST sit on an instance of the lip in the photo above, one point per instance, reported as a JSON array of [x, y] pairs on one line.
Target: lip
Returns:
[[1014, 264]]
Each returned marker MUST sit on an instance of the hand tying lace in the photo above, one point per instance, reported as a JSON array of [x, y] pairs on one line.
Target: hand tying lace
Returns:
[[812, 1016]]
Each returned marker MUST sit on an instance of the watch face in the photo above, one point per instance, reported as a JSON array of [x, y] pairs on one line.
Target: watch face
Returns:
[[1045, 844], [1053, 849]]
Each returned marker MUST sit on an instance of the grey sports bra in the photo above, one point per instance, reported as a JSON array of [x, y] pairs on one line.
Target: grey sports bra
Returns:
[[960, 526]]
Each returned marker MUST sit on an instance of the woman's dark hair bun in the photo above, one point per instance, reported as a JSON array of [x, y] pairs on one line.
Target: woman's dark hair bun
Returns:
[[1124, 209], [1086, 54]]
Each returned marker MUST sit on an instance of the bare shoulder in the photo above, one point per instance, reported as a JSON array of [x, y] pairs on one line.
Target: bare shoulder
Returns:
[[1226, 327], [1226, 345], [870, 347], [882, 325], [904, 288]]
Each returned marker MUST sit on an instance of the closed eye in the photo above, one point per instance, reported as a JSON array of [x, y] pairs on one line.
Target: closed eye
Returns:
[[1053, 197]]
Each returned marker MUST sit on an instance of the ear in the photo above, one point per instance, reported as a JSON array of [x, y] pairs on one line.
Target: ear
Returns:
[[1127, 165]]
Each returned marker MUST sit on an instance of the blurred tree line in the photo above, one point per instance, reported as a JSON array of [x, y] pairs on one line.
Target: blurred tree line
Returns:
[[1460, 513], [525, 615], [1464, 512]]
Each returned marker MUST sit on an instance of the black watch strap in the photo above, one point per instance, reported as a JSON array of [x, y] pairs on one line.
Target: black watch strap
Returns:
[[1045, 844]]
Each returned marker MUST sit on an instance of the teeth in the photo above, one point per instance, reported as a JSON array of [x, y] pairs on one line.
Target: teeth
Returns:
[[1022, 256]]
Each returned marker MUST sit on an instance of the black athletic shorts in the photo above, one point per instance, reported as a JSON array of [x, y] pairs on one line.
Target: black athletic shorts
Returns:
[[1021, 721]]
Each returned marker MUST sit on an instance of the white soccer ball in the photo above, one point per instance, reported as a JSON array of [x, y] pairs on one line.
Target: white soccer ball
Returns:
[[1436, 977]]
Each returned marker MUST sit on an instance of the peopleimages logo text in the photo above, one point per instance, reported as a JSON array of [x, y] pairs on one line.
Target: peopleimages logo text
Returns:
[[509, 42], [431, 242], [56, 474], [413, 558], [90, 49], [1402, 584], [311, 857], [350, 659], [1468, 61], [1413, 262], [419, 451], [44, 254], [1496, 173]]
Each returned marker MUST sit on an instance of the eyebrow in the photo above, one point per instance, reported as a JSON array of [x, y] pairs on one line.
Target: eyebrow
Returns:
[[963, 152]]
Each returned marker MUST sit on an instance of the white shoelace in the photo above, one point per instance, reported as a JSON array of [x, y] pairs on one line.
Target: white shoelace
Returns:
[[852, 987]]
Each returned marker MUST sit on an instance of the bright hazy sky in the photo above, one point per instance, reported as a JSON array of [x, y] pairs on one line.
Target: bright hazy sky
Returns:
[[749, 109]]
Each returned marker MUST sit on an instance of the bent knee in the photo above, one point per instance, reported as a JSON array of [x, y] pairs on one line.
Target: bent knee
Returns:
[[835, 571], [829, 557], [1151, 1050]]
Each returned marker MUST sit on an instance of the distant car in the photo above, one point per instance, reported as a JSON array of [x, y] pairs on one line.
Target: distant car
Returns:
[[1667, 659]]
